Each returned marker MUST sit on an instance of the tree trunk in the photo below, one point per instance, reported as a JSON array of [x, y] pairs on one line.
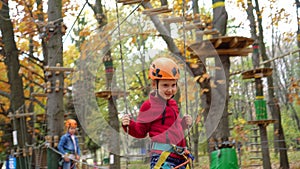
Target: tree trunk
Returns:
[[41, 18], [219, 22], [259, 88], [222, 131], [55, 110], [220, 17], [11, 55], [115, 137], [272, 101]]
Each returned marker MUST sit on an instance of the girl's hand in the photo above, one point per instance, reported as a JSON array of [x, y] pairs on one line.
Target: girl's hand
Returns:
[[188, 120], [77, 157], [125, 120], [66, 158]]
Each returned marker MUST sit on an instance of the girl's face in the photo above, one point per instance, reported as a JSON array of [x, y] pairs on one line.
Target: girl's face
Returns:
[[72, 130], [166, 88]]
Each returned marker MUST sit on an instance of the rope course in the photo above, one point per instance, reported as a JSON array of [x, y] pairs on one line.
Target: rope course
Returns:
[[118, 29]]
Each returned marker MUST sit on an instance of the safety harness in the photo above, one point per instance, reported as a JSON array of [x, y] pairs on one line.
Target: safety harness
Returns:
[[167, 149]]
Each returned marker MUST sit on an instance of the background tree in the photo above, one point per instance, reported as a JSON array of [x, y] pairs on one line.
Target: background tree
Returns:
[[11, 54], [272, 100], [55, 109]]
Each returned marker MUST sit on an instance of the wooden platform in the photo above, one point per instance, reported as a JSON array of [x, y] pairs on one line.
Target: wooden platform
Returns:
[[176, 19], [194, 26], [265, 122], [130, 2], [57, 68], [157, 11], [257, 73], [208, 32], [38, 95], [222, 46], [108, 94]]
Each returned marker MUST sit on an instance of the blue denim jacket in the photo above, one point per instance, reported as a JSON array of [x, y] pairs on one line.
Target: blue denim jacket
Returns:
[[66, 145]]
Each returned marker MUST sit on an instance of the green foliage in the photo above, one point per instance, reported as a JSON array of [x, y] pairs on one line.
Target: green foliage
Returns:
[[289, 125]]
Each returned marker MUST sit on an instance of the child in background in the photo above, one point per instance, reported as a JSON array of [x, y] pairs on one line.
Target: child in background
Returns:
[[68, 145]]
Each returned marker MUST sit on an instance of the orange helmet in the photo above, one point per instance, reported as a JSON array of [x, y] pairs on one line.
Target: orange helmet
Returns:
[[163, 68], [71, 123]]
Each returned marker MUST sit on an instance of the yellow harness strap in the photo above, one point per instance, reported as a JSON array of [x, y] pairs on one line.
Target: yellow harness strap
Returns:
[[187, 166], [164, 155]]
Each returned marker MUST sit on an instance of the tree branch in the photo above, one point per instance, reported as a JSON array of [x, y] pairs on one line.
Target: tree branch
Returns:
[[5, 94]]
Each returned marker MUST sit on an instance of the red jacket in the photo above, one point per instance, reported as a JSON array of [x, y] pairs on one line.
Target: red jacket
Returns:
[[161, 121]]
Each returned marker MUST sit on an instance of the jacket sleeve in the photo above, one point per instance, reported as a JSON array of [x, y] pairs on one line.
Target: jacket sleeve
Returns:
[[140, 127], [61, 144], [77, 146], [137, 130]]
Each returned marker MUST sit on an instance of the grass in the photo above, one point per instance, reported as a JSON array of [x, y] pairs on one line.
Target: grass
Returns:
[[203, 163]]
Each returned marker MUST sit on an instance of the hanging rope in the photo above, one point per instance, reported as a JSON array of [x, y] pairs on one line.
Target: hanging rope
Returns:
[[123, 77], [185, 75]]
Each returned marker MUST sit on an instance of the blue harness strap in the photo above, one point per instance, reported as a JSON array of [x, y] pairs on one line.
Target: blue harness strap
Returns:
[[167, 147]]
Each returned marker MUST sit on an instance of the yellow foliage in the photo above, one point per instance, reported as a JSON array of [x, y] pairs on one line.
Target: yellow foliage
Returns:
[[4, 119], [133, 41], [205, 90], [197, 78], [204, 77], [239, 121], [221, 81], [70, 55], [24, 45], [85, 32], [212, 84]]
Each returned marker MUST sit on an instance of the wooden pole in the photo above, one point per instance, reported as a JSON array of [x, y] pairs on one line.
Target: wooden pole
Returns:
[[55, 110], [286, 54], [264, 146]]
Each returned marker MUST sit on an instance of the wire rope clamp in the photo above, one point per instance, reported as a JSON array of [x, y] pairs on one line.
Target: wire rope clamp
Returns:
[[57, 85], [24, 152], [18, 152], [48, 141], [30, 150], [48, 87], [56, 139]]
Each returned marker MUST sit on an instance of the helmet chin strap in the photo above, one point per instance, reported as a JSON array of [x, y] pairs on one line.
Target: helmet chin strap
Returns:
[[156, 93]]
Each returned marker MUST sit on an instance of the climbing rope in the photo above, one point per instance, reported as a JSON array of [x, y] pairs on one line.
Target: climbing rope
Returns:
[[185, 76], [123, 78]]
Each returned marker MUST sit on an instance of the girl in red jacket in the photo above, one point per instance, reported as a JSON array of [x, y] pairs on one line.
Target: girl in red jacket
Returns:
[[159, 118]]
